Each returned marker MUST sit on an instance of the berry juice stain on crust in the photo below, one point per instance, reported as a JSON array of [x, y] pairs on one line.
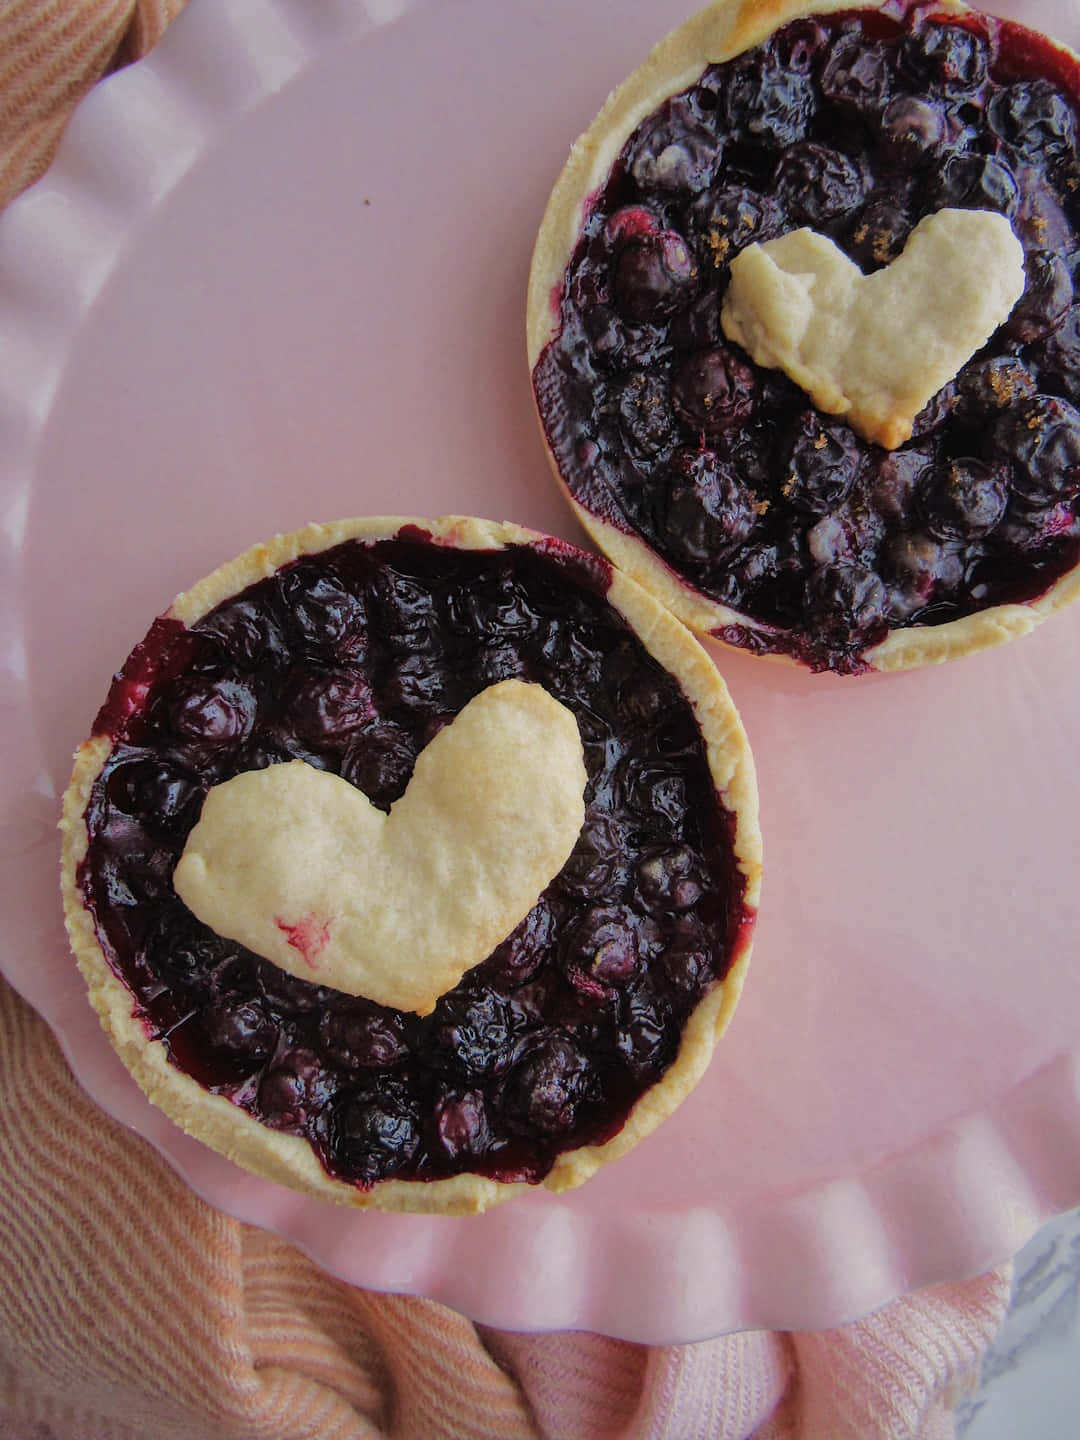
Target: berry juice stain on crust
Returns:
[[309, 936], [858, 125], [351, 660]]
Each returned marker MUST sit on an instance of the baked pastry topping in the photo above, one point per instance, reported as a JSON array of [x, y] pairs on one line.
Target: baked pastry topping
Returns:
[[754, 512], [298, 865], [449, 672]]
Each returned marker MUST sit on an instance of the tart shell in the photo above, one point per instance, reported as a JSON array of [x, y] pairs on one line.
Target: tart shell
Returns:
[[719, 33], [290, 1160]]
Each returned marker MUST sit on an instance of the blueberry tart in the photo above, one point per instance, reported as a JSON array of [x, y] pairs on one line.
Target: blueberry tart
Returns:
[[804, 329], [413, 863]]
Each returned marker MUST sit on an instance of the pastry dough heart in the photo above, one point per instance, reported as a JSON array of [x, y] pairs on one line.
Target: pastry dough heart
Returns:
[[299, 866], [876, 348]]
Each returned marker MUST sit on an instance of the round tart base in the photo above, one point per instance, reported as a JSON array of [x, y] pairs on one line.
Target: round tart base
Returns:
[[720, 33], [290, 1159]]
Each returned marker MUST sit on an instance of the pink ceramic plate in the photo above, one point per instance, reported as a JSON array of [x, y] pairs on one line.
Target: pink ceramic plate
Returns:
[[278, 274]]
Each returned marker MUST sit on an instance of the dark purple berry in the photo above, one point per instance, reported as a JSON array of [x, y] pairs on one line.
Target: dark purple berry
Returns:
[[855, 77], [821, 464], [292, 1090], [602, 949], [248, 633], [242, 1030], [669, 881], [212, 712], [845, 603], [644, 1037], [328, 705], [1047, 297], [965, 498], [653, 277], [462, 1126], [524, 950], [1041, 437], [672, 152], [597, 862], [1035, 118], [324, 618], [973, 182], [879, 233], [360, 1036], [706, 511], [156, 792], [893, 482], [727, 218], [713, 390], [646, 415], [543, 1091], [912, 131], [765, 104], [817, 184], [986, 386], [474, 1035], [923, 571], [947, 59], [375, 1133]]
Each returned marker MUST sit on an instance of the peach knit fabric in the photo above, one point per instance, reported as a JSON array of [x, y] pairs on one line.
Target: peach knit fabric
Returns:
[[130, 1310]]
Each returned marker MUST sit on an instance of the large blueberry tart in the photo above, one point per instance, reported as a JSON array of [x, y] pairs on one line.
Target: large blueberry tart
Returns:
[[413, 863], [804, 329]]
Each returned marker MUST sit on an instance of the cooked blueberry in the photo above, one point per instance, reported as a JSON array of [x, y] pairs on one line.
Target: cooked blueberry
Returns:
[[1035, 117], [181, 950], [461, 1124], [947, 59], [879, 232], [602, 948], [653, 276], [766, 103], [1047, 296], [707, 511], [598, 862], [1041, 437], [713, 389], [474, 1034], [912, 131], [375, 1133], [361, 1036], [965, 498], [213, 712], [728, 217], [242, 1029], [622, 344], [644, 1036], [327, 705], [986, 386], [1058, 356], [817, 184], [855, 77], [673, 151], [922, 570], [156, 792], [248, 633], [379, 761], [697, 327], [845, 602], [524, 950], [973, 182], [291, 1090], [543, 1091], [324, 617], [820, 464], [892, 482], [646, 414], [669, 880]]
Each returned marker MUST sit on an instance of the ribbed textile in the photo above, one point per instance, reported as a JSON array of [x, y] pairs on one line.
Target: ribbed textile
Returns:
[[130, 1310]]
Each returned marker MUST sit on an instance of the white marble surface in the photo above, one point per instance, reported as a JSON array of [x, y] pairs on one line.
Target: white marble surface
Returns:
[[1030, 1385]]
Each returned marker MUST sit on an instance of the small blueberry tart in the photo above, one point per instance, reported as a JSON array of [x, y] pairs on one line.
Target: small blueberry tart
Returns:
[[804, 329], [414, 863]]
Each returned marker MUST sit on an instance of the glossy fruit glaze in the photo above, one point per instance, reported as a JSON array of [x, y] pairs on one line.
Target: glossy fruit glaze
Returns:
[[856, 125], [352, 660]]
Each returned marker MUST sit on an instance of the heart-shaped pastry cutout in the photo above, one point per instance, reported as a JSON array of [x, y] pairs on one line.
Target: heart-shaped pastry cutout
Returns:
[[876, 348], [299, 866]]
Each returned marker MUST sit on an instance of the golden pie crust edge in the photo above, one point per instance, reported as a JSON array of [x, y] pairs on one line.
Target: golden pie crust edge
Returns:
[[718, 33], [289, 1159]]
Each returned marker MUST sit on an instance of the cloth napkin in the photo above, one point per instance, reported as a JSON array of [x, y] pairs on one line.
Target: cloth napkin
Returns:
[[130, 1310]]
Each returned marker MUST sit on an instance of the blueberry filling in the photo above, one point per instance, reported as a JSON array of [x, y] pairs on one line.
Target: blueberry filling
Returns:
[[857, 125], [352, 660]]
